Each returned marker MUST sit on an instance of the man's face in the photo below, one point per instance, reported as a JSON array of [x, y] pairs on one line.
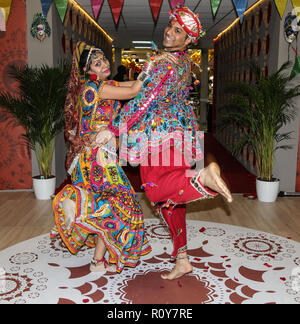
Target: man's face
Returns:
[[175, 37]]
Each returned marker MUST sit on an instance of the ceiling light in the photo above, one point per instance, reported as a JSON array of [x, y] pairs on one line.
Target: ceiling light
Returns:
[[141, 42]]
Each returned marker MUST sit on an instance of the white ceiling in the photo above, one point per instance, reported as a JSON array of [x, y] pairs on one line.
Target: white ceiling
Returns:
[[136, 22]]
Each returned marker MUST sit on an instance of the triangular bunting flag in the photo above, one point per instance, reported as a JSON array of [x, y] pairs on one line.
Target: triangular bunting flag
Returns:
[[215, 6], [281, 4], [296, 5], [46, 6], [240, 7], [2, 20], [155, 6], [116, 8], [175, 3], [62, 6], [296, 67], [6, 4], [97, 5]]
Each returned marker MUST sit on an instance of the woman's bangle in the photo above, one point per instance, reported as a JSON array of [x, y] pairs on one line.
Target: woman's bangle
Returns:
[[142, 76], [147, 67]]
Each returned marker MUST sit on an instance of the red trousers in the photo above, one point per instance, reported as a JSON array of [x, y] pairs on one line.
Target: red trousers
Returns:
[[170, 186]]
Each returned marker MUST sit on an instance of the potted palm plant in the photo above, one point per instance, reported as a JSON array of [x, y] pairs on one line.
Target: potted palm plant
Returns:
[[260, 110], [38, 106]]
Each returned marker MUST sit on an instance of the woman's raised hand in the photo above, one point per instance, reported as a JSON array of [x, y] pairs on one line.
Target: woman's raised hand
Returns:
[[103, 137]]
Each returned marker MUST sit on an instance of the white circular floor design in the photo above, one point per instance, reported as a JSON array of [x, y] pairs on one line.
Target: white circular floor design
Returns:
[[231, 265]]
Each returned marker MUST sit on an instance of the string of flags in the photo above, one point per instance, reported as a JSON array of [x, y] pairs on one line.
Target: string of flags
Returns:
[[116, 7], [155, 6]]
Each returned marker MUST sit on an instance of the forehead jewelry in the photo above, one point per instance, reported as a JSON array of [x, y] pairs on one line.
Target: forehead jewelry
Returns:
[[90, 53]]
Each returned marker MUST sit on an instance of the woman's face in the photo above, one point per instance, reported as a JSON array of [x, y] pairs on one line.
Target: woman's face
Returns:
[[100, 66]]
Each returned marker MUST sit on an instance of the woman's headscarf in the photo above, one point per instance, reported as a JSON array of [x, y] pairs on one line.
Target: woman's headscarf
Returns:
[[71, 110]]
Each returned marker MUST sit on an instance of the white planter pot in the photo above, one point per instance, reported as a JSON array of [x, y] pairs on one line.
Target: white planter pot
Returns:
[[43, 188], [267, 191]]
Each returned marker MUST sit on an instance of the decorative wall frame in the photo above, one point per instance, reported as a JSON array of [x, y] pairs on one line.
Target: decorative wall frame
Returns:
[[40, 27]]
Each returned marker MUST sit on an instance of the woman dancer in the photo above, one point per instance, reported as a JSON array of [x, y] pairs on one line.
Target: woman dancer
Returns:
[[100, 208]]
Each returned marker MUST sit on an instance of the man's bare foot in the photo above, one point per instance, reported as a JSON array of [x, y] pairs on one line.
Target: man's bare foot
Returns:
[[181, 268], [210, 177], [69, 207]]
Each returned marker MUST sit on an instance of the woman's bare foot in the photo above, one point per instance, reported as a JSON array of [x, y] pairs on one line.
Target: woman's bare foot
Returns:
[[182, 267], [69, 207], [211, 177]]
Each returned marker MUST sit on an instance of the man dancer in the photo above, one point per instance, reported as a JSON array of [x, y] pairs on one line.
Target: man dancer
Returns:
[[160, 133]]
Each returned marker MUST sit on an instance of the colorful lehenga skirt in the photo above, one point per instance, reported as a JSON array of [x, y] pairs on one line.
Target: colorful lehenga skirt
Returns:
[[106, 206]]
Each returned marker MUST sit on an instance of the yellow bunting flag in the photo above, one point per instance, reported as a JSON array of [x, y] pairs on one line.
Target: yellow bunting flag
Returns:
[[296, 3], [6, 4], [280, 4]]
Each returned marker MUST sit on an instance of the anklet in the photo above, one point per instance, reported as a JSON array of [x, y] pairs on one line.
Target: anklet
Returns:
[[95, 262]]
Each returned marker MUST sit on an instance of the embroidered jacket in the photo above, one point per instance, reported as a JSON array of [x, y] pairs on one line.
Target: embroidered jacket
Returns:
[[160, 116], [95, 111]]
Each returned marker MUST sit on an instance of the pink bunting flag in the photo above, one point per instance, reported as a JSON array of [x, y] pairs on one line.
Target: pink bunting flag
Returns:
[[97, 5], [175, 3]]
